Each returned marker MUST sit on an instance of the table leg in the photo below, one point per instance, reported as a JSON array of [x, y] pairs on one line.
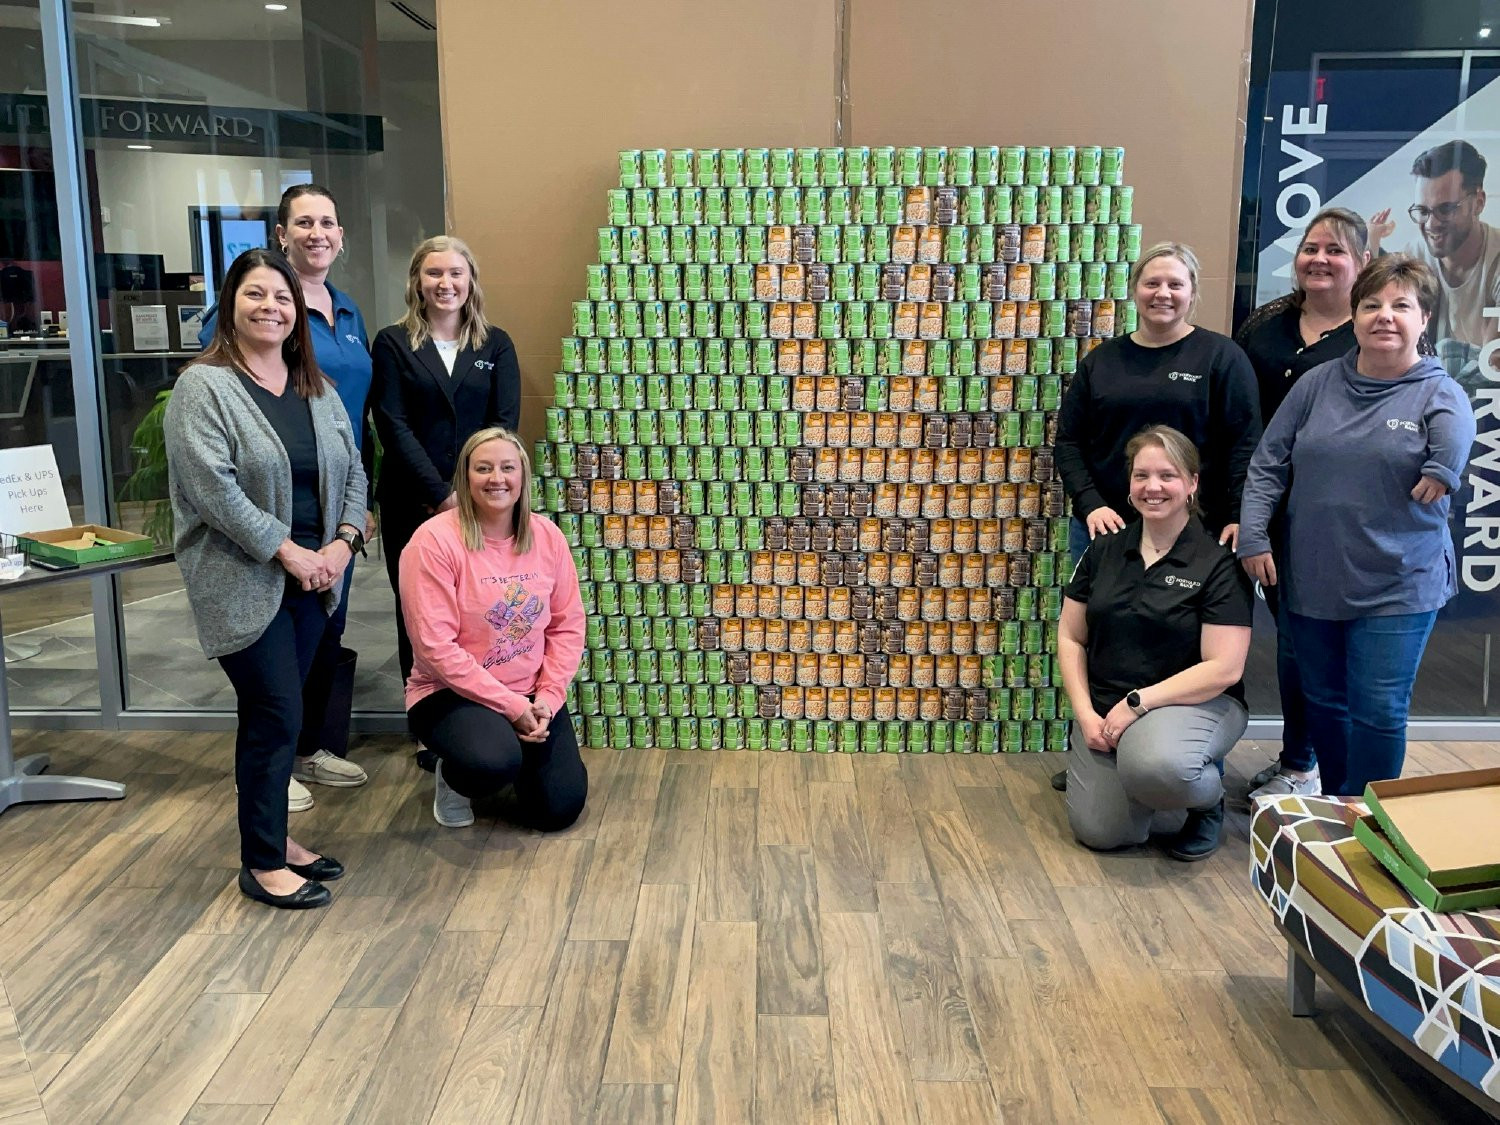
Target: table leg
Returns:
[[1301, 984], [22, 781]]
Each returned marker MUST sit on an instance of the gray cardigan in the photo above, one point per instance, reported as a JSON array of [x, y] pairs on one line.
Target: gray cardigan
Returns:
[[231, 489]]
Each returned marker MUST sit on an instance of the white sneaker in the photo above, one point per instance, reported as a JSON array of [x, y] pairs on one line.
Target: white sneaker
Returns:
[[298, 799], [448, 808], [1285, 785], [323, 768]]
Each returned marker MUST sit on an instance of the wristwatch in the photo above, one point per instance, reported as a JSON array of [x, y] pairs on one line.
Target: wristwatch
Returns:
[[352, 537], [1133, 701]]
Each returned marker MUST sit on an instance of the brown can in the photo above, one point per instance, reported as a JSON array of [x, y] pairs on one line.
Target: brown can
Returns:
[[973, 571], [1030, 503], [986, 635], [1104, 319], [830, 670], [1020, 464], [902, 390], [637, 528], [793, 702], [746, 600], [996, 468], [923, 671], [956, 605], [878, 568], [669, 568], [933, 601], [776, 633], [872, 464], [884, 705], [669, 497], [908, 604], [807, 670], [839, 704], [963, 637], [919, 283], [731, 634], [755, 634], [814, 352], [737, 668], [947, 671], [1016, 357], [788, 357], [760, 672]]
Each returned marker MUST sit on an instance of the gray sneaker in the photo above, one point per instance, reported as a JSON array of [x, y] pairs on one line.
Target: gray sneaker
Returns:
[[448, 808], [1285, 785], [1265, 775]]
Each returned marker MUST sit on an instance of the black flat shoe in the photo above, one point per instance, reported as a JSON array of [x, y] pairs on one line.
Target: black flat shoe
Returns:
[[1060, 781], [305, 897], [426, 759], [1200, 836], [324, 869]]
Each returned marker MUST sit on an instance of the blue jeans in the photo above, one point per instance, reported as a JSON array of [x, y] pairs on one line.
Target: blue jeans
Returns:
[[1357, 678], [1296, 747]]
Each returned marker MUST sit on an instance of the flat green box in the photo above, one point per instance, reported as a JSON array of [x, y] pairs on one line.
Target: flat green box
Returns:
[[1367, 831], [1443, 825], [111, 544]]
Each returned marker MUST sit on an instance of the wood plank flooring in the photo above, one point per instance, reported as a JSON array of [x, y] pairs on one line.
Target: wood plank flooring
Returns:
[[722, 937]]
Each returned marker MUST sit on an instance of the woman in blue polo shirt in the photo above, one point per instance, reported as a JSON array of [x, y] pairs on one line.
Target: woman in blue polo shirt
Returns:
[[1154, 632], [308, 233]]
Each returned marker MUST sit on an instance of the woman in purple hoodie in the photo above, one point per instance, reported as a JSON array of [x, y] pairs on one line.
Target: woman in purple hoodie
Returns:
[[1368, 449]]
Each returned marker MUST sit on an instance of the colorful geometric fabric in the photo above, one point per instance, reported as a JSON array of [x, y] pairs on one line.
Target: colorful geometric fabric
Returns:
[[1435, 978]]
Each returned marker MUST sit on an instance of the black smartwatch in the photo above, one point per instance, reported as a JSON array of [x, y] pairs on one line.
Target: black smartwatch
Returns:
[[1133, 701], [352, 537]]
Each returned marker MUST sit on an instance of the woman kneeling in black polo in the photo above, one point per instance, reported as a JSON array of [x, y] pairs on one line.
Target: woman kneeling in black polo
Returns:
[[1155, 628]]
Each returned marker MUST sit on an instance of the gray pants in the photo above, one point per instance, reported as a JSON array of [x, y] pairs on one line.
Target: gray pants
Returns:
[[1166, 763]]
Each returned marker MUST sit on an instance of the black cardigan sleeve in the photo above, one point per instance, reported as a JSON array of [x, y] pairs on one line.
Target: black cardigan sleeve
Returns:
[[1236, 423], [1072, 423]]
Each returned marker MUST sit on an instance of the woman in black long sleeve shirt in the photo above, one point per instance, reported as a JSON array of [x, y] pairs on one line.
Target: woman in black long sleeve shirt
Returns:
[[1167, 372], [442, 373]]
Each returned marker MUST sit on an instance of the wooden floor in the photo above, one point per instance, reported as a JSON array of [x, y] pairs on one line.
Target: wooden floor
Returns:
[[722, 937]]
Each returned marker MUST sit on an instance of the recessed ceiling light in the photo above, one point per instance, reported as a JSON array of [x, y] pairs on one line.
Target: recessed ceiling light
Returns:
[[140, 148], [1484, 33], [275, 7]]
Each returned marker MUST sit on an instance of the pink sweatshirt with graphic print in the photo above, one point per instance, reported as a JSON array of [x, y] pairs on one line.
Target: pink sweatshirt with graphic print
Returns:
[[492, 625]]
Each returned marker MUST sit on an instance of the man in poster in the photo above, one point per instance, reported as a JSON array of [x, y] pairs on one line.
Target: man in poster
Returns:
[[1461, 247]]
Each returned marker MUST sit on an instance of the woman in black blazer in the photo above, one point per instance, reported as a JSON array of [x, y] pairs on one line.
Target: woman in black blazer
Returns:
[[441, 373]]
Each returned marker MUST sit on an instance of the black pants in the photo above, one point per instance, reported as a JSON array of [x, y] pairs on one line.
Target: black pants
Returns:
[[267, 678], [398, 523], [317, 687], [481, 755]]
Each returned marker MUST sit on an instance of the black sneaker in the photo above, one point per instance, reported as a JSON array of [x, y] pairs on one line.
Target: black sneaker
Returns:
[[1200, 836], [1060, 781]]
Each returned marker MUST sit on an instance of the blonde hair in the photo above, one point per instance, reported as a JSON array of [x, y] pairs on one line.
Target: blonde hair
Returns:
[[1175, 444], [473, 329], [468, 511], [1179, 250]]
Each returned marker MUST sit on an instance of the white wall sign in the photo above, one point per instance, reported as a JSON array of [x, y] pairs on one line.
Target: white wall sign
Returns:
[[31, 491]]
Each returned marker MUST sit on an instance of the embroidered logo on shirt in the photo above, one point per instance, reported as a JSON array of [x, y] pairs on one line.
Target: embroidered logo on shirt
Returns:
[[353, 339], [1185, 583], [512, 617], [1398, 424], [1185, 376], [484, 365]]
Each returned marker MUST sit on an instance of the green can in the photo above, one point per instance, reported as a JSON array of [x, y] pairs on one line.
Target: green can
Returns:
[[789, 205], [1037, 160], [986, 165], [1118, 282], [1109, 242], [666, 734], [934, 165], [814, 205], [1051, 203], [1064, 164], [856, 165], [955, 244], [1002, 206], [757, 167], [1111, 165], [755, 244], [1127, 316], [1088, 164], [882, 165], [1036, 737], [941, 741], [1123, 210], [960, 170], [1095, 280]]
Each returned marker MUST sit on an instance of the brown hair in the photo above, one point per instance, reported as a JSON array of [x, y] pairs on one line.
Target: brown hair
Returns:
[[473, 329], [1175, 444], [1349, 231], [295, 192], [1410, 273], [1183, 253], [468, 513], [297, 349]]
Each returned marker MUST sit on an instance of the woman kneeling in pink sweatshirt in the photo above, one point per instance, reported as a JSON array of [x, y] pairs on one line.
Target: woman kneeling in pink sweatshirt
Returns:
[[490, 596]]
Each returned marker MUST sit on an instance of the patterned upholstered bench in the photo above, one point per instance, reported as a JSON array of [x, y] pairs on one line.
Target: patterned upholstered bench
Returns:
[[1430, 982]]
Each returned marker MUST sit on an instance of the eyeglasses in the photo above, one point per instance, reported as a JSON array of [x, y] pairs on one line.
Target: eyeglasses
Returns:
[[1444, 211]]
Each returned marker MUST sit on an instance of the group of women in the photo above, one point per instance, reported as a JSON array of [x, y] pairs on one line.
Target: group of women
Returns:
[[269, 477], [1338, 511]]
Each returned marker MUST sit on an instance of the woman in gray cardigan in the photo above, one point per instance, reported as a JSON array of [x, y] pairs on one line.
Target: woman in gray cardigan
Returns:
[[269, 499]]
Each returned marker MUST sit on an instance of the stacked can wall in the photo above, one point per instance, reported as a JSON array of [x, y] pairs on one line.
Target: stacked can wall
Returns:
[[801, 442]]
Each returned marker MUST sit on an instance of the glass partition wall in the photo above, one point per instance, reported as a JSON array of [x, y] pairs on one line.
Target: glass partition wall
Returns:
[[191, 119]]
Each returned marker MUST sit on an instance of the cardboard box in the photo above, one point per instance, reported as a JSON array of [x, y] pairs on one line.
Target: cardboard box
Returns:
[[63, 544], [1367, 831], [1443, 825]]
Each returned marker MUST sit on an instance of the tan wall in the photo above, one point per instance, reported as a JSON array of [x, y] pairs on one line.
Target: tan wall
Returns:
[[1167, 82], [537, 99]]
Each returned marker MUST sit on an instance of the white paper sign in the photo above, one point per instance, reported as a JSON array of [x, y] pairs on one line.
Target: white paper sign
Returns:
[[149, 326], [189, 323], [31, 491]]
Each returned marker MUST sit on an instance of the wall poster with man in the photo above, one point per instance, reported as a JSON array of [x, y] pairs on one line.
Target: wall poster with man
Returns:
[[1397, 119]]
